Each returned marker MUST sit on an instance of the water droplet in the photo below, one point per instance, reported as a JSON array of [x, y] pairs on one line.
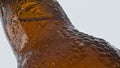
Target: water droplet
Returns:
[[82, 44], [53, 63]]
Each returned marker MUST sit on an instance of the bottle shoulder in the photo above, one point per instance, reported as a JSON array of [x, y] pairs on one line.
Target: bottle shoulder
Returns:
[[96, 44], [75, 52]]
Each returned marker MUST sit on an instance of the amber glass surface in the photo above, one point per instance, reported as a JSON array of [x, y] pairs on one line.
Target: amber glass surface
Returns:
[[42, 36]]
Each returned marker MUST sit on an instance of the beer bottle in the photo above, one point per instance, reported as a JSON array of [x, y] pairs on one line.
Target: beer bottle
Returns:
[[42, 36]]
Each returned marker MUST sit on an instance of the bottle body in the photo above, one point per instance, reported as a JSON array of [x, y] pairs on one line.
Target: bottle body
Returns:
[[42, 36]]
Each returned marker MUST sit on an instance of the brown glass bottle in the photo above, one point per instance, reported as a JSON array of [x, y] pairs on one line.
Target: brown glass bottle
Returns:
[[42, 36]]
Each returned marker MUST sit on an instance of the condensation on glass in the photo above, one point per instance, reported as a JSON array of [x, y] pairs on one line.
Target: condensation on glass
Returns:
[[42, 36]]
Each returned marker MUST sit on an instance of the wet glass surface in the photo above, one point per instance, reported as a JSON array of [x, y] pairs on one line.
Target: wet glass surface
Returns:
[[49, 40]]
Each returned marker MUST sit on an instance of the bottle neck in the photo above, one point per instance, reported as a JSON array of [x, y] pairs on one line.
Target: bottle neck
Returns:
[[31, 20]]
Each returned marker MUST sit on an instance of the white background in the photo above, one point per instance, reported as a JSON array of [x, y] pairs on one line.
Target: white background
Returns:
[[100, 18]]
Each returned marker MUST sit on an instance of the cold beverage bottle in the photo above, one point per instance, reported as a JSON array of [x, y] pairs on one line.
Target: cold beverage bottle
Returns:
[[42, 36]]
